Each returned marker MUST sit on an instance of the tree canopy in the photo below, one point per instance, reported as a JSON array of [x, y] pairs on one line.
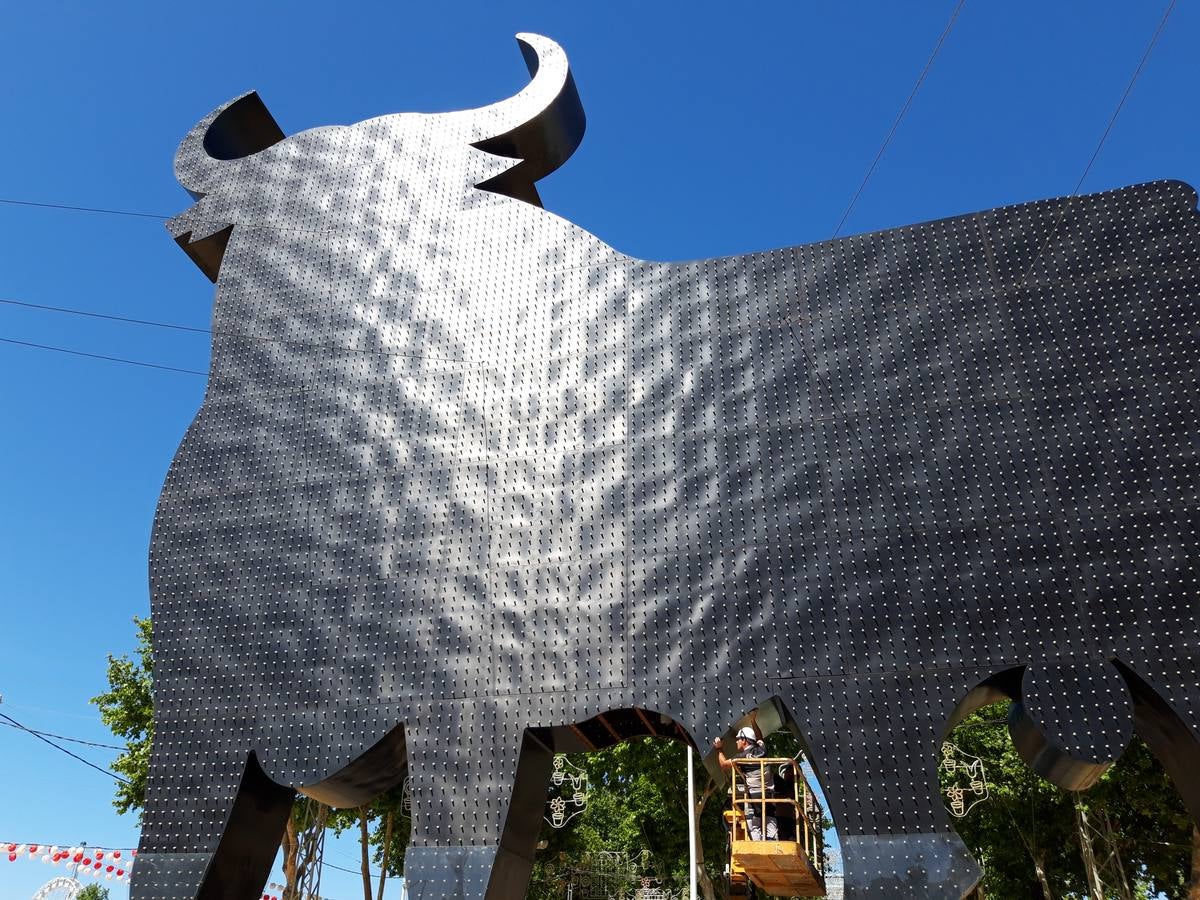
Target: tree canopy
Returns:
[[127, 709], [637, 807], [1026, 833]]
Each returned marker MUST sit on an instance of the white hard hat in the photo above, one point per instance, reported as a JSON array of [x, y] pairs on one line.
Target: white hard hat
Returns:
[[747, 734]]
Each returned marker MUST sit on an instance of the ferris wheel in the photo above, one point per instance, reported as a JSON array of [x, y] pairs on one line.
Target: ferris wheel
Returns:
[[60, 888]]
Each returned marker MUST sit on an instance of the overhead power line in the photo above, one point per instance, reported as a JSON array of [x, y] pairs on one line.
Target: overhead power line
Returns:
[[62, 737], [91, 209], [845, 215], [328, 865], [1061, 215], [127, 320], [106, 316], [1125, 96], [63, 749], [116, 359], [82, 845], [900, 117]]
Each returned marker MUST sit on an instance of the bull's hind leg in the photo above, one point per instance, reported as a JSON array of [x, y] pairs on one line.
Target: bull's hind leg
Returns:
[[1173, 740], [462, 773], [212, 819]]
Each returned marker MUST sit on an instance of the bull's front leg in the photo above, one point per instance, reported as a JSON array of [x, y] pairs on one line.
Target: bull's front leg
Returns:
[[462, 779], [212, 820], [874, 742]]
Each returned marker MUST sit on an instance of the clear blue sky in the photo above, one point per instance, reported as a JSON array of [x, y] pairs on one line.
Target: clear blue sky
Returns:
[[710, 132]]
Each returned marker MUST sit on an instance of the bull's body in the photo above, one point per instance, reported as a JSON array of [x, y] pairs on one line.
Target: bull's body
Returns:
[[463, 470]]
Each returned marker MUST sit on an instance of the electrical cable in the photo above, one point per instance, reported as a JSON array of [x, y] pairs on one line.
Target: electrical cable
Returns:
[[1125, 96], [43, 307], [329, 865], [106, 316], [62, 737], [91, 209], [83, 846], [37, 204], [903, 110], [12, 201], [191, 329], [64, 749], [1064, 207], [116, 359]]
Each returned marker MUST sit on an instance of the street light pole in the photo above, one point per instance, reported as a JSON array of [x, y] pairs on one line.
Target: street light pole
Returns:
[[691, 828]]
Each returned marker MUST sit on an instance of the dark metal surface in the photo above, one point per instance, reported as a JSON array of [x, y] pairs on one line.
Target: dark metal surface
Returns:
[[464, 470]]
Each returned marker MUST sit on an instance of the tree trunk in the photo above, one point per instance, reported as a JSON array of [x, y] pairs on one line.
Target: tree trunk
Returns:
[[1087, 853], [291, 849], [387, 846], [703, 881], [363, 835], [1038, 860], [1042, 879]]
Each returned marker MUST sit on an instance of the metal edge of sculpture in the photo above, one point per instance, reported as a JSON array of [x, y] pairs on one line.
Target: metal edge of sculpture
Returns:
[[466, 478]]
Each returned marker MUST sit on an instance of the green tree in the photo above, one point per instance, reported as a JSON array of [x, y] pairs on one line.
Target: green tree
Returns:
[[1153, 832], [93, 892], [1025, 833], [127, 709], [383, 829], [637, 805]]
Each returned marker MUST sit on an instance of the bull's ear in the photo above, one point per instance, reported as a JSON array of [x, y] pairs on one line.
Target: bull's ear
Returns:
[[236, 129], [541, 126]]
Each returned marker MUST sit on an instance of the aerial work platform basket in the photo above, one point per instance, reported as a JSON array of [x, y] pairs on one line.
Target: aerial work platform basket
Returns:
[[792, 865]]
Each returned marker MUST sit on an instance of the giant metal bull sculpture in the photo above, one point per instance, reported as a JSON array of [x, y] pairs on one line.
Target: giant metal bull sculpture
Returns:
[[469, 487]]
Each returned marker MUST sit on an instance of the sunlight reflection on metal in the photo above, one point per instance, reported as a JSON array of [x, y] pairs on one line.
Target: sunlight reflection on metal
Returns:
[[470, 487]]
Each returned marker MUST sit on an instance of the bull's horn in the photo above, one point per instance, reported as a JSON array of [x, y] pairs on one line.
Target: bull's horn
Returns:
[[235, 129], [541, 125]]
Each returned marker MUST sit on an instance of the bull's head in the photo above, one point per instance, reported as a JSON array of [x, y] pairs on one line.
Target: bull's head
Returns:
[[243, 170]]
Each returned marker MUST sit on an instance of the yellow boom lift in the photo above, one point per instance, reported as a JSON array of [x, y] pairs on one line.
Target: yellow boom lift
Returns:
[[791, 866]]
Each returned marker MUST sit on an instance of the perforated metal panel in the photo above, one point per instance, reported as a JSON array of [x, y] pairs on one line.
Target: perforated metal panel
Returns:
[[463, 470]]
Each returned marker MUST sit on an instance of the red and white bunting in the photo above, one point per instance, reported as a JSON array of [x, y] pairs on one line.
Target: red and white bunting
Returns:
[[109, 863]]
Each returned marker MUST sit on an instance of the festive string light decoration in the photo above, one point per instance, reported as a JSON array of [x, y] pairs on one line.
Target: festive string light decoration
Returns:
[[59, 888], [970, 787], [568, 792]]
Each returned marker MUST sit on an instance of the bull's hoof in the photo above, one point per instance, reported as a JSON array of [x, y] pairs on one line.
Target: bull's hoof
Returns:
[[448, 873], [934, 866], [168, 876]]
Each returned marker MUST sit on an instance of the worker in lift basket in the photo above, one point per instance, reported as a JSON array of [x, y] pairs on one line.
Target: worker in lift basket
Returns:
[[750, 747]]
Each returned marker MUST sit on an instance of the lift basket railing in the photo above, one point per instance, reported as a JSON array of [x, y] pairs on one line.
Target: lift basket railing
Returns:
[[802, 804]]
